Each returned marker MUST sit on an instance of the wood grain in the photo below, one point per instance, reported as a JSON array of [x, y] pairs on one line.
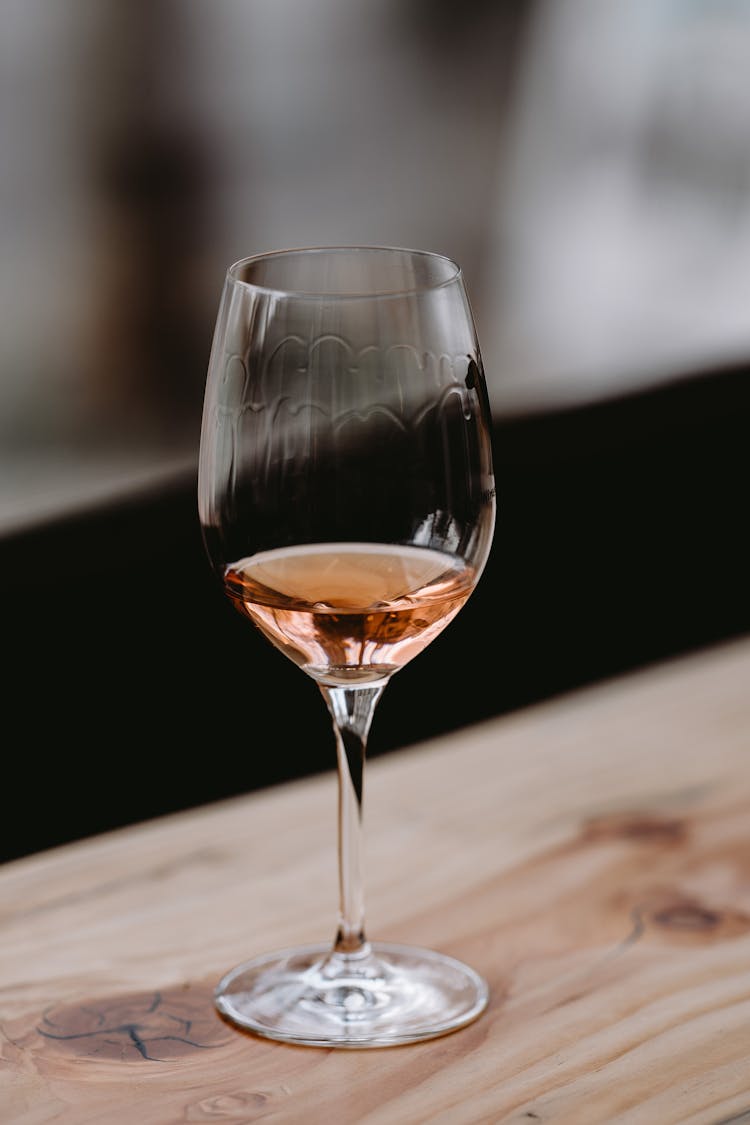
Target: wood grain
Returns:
[[591, 857]]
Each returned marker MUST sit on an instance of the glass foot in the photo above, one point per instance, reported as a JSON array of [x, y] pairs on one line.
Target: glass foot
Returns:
[[379, 996]]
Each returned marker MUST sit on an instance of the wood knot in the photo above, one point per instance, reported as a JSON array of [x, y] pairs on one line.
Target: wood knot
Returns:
[[638, 827], [244, 1104], [677, 918], [140, 1026], [688, 916]]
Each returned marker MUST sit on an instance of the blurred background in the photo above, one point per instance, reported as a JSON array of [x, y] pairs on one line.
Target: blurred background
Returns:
[[588, 166], [148, 146]]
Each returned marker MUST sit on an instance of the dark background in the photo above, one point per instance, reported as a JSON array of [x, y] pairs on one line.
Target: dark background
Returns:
[[586, 164], [136, 689]]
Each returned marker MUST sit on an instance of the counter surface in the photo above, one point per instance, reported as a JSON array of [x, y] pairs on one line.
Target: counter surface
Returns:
[[589, 856]]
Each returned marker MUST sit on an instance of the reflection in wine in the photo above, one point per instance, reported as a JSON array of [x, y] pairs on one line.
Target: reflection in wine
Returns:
[[350, 612]]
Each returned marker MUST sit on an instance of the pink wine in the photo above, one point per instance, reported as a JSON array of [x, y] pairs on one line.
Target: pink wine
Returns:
[[350, 612]]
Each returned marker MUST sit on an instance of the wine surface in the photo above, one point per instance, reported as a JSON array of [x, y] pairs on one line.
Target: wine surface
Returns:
[[350, 612]]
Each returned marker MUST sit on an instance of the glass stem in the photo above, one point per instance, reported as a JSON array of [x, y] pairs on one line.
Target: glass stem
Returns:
[[352, 709]]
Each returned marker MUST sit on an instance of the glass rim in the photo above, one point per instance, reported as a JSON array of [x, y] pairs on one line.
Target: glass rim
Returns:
[[455, 273]]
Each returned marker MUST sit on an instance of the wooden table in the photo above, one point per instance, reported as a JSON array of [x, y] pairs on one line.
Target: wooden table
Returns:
[[590, 856]]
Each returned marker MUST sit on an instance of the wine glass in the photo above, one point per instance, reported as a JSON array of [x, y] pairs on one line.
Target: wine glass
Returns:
[[347, 504]]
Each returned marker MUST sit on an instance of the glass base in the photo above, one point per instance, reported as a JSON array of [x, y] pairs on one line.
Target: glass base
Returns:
[[380, 996]]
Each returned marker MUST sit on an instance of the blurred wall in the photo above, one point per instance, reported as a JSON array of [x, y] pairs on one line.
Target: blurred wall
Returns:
[[620, 233], [146, 146], [585, 162]]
